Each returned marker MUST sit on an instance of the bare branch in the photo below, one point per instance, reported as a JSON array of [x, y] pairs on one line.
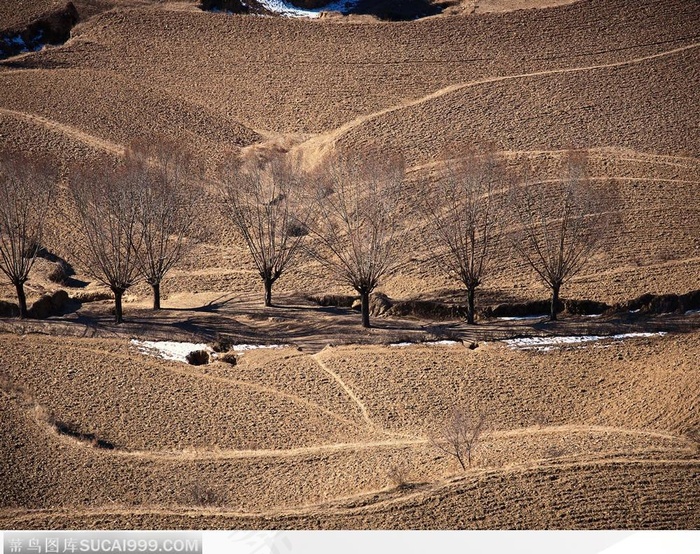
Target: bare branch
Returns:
[[26, 187], [461, 213], [266, 205], [358, 219], [460, 436], [105, 200], [162, 173], [560, 227]]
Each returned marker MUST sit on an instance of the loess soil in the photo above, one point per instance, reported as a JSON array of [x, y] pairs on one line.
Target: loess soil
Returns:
[[605, 435]]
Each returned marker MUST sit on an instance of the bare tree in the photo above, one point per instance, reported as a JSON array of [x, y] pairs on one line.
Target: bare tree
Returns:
[[356, 227], [462, 219], [265, 203], [560, 227], [25, 190], [164, 200], [461, 435], [105, 201]]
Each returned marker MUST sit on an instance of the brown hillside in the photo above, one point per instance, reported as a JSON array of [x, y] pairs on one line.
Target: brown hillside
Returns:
[[587, 421], [336, 429]]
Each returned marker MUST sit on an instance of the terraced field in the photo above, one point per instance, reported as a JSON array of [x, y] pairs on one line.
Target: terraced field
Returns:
[[314, 435], [579, 437]]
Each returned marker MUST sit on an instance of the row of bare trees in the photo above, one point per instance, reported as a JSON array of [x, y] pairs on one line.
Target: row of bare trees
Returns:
[[555, 225], [137, 219], [352, 211]]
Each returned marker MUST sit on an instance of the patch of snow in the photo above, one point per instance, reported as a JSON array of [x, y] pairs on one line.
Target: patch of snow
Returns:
[[177, 351], [426, 343], [521, 317], [442, 343], [691, 312], [169, 350], [289, 10], [544, 344], [17, 41], [244, 347]]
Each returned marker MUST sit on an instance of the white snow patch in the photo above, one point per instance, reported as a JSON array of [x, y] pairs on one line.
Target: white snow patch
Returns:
[[691, 312], [177, 351], [521, 317], [545, 344], [244, 347], [289, 10], [169, 350], [427, 343]]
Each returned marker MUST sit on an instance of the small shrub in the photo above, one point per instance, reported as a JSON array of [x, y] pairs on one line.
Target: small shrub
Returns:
[[221, 344], [426, 309], [201, 495], [229, 358], [48, 305], [297, 230], [92, 296], [59, 299], [460, 436], [32, 249], [337, 300], [42, 308], [379, 304], [198, 357], [399, 475], [585, 307]]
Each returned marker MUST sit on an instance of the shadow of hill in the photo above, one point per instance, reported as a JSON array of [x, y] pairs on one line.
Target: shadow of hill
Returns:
[[397, 10]]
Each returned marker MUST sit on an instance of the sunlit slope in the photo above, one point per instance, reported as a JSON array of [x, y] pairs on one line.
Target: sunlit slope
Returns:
[[619, 78], [592, 437]]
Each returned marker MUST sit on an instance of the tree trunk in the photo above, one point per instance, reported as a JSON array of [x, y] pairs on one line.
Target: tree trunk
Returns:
[[156, 295], [364, 298], [118, 293], [555, 303], [470, 305], [21, 299], [268, 292]]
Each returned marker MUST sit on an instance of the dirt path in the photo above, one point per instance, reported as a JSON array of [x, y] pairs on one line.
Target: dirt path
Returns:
[[300, 452], [318, 142], [187, 372], [77, 134], [348, 390], [605, 152]]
